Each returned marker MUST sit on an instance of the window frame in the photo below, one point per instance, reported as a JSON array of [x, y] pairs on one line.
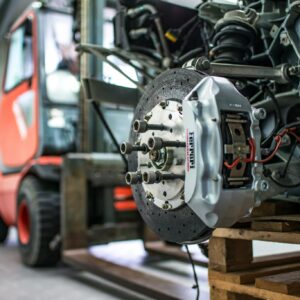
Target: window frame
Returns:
[[27, 79]]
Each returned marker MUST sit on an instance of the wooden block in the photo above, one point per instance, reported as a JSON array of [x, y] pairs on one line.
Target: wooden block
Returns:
[[216, 294], [265, 261], [249, 276], [226, 253], [251, 290], [286, 283], [250, 235], [275, 207], [275, 226]]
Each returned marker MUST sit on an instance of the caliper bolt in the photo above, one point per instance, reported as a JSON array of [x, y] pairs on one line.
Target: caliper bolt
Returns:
[[127, 148], [155, 143], [143, 126], [260, 113]]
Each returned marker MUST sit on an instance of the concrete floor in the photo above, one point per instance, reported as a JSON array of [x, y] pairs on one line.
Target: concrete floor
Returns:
[[62, 283]]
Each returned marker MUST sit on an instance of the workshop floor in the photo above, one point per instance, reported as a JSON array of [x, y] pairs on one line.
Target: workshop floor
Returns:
[[62, 283]]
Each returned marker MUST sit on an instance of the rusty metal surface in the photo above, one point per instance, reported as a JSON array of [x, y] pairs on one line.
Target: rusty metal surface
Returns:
[[148, 285]]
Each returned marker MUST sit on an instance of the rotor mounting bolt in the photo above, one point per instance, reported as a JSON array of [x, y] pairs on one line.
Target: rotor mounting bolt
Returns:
[[155, 143], [148, 116], [149, 196], [164, 104], [180, 109], [166, 206]]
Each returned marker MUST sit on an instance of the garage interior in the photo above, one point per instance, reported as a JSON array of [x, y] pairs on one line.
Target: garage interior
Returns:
[[149, 149]]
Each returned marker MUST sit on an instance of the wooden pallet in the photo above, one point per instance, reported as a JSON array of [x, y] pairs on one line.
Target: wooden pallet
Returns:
[[235, 274]]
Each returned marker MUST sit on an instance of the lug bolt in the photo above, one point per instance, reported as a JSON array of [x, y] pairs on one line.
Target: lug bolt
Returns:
[[133, 177], [156, 177], [127, 148], [155, 143], [143, 126]]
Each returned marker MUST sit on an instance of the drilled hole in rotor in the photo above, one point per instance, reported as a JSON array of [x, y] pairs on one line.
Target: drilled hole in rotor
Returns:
[[171, 130], [237, 131], [163, 182], [165, 194], [153, 134], [170, 116]]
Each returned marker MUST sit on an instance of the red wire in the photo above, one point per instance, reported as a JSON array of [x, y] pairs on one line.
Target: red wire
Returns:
[[251, 159], [278, 139]]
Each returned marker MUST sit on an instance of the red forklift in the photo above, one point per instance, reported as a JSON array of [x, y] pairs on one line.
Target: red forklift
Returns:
[[39, 115]]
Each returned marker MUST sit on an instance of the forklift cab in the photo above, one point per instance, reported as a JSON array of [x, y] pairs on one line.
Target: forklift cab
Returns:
[[40, 89]]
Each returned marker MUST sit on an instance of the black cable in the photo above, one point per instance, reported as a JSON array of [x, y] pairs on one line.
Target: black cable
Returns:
[[288, 186], [278, 117], [283, 174], [290, 125], [110, 133], [196, 285]]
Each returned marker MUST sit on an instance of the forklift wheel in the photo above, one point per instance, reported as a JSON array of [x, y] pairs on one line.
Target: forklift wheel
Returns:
[[38, 222], [3, 231]]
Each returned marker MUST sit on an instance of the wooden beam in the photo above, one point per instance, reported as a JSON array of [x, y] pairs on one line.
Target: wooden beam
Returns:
[[286, 283], [244, 234], [250, 290]]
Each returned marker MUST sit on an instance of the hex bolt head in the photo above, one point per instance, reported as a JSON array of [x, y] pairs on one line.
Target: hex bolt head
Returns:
[[133, 178], [155, 143], [260, 113], [149, 177], [126, 148], [262, 186], [140, 126]]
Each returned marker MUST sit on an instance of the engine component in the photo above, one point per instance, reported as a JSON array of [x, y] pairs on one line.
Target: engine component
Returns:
[[235, 36]]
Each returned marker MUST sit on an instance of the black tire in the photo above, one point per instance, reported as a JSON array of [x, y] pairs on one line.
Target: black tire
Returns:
[[3, 231], [42, 202]]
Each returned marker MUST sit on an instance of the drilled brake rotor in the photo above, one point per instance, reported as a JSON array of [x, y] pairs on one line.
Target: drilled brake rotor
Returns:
[[179, 225]]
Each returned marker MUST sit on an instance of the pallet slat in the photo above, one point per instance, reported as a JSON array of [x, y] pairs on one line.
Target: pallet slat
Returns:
[[286, 283], [250, 235], [249, 290]]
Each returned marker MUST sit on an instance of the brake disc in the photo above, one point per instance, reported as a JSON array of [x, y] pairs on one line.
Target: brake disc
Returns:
[[162, 204]]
